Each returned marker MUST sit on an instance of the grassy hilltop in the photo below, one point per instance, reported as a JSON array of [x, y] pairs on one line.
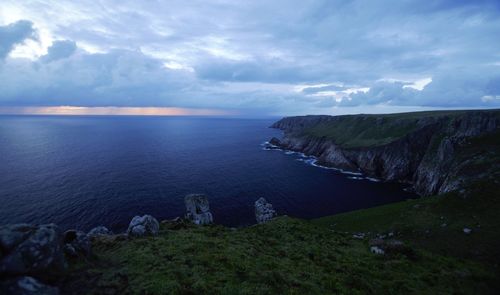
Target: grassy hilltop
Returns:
[[365, 130]]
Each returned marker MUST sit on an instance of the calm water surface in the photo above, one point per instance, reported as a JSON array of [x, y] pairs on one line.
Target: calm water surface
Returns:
[[80, 172]]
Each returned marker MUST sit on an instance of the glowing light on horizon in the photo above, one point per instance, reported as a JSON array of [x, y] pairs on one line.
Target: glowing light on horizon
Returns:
[[119, 111]]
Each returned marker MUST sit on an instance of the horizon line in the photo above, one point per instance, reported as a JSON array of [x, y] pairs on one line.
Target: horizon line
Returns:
[[114, 111]]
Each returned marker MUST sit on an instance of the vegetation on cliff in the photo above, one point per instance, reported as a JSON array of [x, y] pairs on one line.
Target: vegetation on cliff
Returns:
[[437, 152], [366, 130]]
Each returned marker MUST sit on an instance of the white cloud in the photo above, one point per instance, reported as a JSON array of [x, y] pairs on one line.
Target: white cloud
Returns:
[[419, 84]]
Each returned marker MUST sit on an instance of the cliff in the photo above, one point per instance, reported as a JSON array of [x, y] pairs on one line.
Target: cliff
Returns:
[[436, 152]]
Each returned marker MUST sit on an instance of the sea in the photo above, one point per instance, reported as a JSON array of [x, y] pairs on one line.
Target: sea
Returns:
[[84, 171]]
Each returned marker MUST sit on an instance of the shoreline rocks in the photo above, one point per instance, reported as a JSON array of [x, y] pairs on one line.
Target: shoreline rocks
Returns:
[[145, 225], [29, 249], [26, 286], [99, 231], [76, 243], [198, 209], [264, 211]]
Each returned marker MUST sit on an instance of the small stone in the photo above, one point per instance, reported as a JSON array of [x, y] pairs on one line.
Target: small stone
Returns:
[[444, 225], [377, 250], [467, 230], [358, 236]]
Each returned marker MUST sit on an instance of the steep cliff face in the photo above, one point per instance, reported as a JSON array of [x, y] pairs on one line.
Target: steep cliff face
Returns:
[[434, 151]]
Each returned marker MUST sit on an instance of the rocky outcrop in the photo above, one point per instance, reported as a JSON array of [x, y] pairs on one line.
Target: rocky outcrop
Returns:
[[99, 231], [421, 148], [76, 243], [264, 211], [26, 286], [145, 225], [28, 249], [198, 209]]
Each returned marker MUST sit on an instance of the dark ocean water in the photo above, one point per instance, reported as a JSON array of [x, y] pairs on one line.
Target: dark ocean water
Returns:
[[80, 172]]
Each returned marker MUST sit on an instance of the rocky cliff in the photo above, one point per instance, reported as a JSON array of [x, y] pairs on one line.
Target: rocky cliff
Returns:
[[437, 152]]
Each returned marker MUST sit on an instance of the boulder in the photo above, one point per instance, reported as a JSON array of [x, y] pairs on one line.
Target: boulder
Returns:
[[145, 225], [76, 243], [264, 211], [99, 231], [29, 249], [198, 209], [26, 286]]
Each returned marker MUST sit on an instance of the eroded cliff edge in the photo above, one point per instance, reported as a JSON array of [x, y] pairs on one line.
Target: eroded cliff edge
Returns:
[[436, 152]]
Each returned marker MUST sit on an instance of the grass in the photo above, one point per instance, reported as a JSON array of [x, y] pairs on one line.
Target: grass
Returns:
[[436, 223], [285, 256], [359, 131], [353, 132]]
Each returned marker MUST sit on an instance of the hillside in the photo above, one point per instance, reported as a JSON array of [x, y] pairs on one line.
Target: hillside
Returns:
[[437, 152], [284, 256]]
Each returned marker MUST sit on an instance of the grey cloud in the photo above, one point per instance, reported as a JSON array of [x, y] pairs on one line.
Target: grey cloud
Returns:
[[59, 50], [14, 34], [120, 77]]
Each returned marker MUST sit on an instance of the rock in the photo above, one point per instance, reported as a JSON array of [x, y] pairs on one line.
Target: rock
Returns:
[[198, 209], [391, 247], [377, 250], [26, 286], [29, 249], [264, 211], [76, 243], [145, 225], [467, 231], [359, 236], [274, 141], [11, 236], [99, 231]]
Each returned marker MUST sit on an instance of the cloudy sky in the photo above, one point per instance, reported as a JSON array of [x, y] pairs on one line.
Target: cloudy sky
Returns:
[[249, 57]]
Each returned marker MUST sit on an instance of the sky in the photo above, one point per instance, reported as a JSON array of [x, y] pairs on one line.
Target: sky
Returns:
[[248, 58]]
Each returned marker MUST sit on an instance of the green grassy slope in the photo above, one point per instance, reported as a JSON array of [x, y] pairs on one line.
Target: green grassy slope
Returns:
[[285, 256], [354, 131], [436, 223]]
